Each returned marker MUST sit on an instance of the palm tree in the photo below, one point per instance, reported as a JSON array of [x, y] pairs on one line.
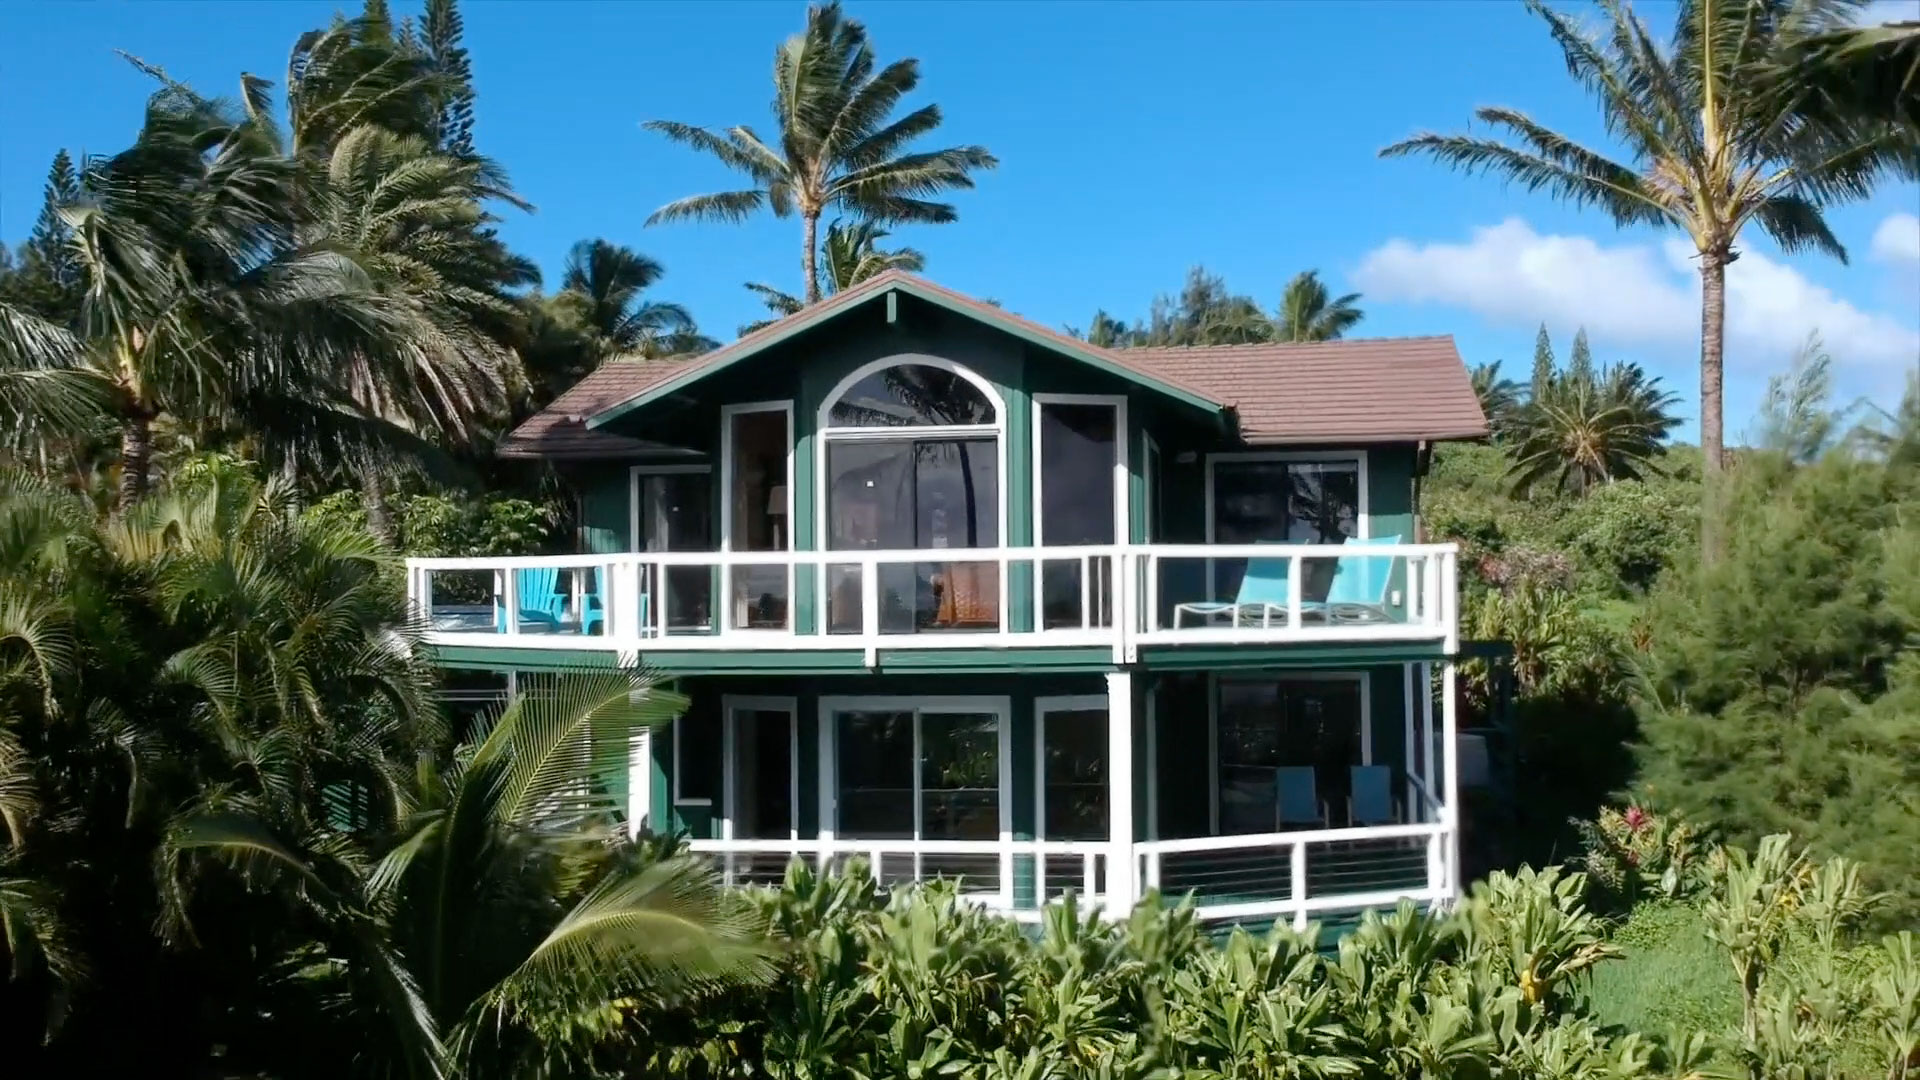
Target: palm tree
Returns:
[[1715, 138], [1590, 428], [1499, 398], [835, 147], [602, 289], [1307, 314], [490, 927], [851, 255]]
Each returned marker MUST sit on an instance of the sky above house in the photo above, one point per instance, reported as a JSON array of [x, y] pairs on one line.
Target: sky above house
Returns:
[[1136, 140]]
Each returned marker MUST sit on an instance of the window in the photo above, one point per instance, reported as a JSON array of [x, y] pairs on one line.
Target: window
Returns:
[[911, 395], [1283, 500], [696, 760], [905, 770], [1073, 770], [759, 442], [911, 458], [1268, 723], [1078, 452], [673, 511]]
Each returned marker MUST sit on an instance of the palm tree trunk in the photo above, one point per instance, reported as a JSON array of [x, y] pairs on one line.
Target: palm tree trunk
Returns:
[[380, 524], [809, 257], [1713, 324], [136, 452]]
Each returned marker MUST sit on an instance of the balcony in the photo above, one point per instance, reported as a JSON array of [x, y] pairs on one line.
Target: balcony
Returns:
[[1119, 597]]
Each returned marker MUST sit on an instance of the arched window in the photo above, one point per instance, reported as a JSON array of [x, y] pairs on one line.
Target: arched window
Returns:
[[912, 395], [911, 452]]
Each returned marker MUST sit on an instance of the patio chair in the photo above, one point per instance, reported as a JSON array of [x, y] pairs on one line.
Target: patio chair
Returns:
[[1370, 796], [541, 603], [1263, 590], [1296, 798], [1359, 590]]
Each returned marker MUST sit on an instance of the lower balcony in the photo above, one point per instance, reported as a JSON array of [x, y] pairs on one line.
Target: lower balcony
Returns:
[[1117, 597]]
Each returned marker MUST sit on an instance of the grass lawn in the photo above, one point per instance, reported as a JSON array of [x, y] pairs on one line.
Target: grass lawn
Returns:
[[1672, 977]]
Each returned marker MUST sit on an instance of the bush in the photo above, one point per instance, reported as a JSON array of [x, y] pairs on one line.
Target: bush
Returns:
[[452, 525]]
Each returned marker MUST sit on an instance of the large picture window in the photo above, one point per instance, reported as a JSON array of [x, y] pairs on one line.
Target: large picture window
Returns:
[[1298, 722], [912, 462], [932, 771]]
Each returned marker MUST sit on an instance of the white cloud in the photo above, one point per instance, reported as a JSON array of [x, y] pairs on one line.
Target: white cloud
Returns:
[[1630, 294], [1897, 240]]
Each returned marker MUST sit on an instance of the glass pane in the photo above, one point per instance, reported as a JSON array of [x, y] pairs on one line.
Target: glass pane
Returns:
[[1060, 594], [843, 599], [759, 597], [759, 495], [762, 774], [870, 495], [911, 395], [689, 598], [1269, 723], [697, 757], [875, 769], [956, 493], [1075, 774], [960, 776], [1078, 451], [1323, 505], [1249, 501], [677, 512]]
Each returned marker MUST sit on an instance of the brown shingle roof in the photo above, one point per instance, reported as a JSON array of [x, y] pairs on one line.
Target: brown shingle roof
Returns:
[[1355, 391], [1381, 390], [560, 430]]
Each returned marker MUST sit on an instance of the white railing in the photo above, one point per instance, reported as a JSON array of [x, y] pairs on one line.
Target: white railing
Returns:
[[1012, 876], [1300, 874], [1114, 596]]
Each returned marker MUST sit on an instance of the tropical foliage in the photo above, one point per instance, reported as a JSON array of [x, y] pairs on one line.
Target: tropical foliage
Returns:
[[849, 255], [1721, 130], [835, 147], [1206, 312]]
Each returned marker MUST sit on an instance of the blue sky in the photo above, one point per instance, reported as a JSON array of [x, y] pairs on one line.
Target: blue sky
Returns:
[[1135, 139]]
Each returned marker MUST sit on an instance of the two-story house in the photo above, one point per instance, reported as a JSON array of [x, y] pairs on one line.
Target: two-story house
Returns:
[[972, 598]]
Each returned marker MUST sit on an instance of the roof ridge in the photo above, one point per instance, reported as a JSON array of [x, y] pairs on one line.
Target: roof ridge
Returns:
[[1250, 345]]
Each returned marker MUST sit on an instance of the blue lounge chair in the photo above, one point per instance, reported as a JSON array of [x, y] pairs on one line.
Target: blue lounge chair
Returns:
[[1263, 592], [1359, 590], [1370, 796], [1296, 800], [541, 604]]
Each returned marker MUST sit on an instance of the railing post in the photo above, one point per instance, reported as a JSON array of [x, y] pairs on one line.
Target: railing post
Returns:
[[1296, 570], [510, 594], [1450, 766], [1298, 890], [1436, 866], [1121, 893]]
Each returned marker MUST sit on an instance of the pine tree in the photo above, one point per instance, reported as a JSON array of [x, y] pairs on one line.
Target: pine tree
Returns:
[[443, 28], [1580, 364], [47, 279], [1543, 366]]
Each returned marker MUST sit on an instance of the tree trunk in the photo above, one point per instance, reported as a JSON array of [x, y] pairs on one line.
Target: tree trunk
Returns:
[[136, 452], [809, 258], [380, 522], [1713, 322]]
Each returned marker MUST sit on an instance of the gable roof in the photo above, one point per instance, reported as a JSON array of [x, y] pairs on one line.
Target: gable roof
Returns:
[[1355, 391], [1363, 390], [892, 281]]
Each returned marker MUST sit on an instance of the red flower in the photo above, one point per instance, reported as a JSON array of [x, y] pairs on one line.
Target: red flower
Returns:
[[1635, 818]]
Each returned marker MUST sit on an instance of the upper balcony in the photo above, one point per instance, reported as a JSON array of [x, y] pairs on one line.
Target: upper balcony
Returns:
[[1114, 597]]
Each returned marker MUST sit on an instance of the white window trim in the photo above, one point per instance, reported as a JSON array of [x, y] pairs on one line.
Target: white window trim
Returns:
[[1150, 458], [1041, 707], [1362, 523], [825, 434], [829, 708], [730, 706], [678, 743], [724, 604], [638, 473], [1287, 675]]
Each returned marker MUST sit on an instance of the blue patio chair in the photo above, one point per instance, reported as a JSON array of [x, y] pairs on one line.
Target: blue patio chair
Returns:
[[1263, 590], [542, 604], [1296, 799], [1370, 796], [1359, 589]]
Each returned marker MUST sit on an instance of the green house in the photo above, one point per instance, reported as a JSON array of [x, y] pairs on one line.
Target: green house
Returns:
[[963, 596]]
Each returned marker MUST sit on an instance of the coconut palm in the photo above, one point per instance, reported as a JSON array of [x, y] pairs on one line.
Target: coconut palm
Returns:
[[1715, 141], [835, 146], [851, 255], [1590, 428], [1308, 313], [491, 928], [602, 289]]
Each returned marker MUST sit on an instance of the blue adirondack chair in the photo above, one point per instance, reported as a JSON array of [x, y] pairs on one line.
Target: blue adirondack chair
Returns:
[[1296, 799], [1263, 592], [543, 606], [1359, 589], [1370, 796]]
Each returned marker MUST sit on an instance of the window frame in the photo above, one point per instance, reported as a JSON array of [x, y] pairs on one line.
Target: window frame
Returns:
[[1362, 523], [1064, 703], [1361, 678], [731, 705], [828, 719]]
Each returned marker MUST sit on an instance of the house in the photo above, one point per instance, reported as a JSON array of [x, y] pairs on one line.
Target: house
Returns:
[[968, 597]]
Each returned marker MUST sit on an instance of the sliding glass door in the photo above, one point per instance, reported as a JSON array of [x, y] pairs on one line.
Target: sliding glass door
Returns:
[[1263, 499], [1082, 502], [1302, 731], [759, 441], [926, 770]]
